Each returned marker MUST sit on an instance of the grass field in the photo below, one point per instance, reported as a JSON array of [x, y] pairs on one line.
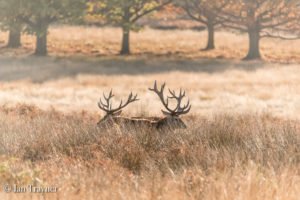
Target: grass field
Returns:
[[243, 137]]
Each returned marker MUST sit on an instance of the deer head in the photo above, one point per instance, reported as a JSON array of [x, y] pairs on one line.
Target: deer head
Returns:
[[172, 119], [107, 107]]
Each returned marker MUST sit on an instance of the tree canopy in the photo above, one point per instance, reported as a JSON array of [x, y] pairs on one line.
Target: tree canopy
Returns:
[[10, 11], [261, 18], [205, 12], [39, 14]]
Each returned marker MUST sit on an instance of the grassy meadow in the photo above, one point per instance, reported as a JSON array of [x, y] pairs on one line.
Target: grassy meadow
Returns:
[[243, 136]]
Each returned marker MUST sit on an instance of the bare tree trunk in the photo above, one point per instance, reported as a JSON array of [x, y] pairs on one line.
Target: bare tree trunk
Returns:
[[254, 47], [126, 32], [41, 45], [14, 38], [211, 37], [125, 41], [41, 38]]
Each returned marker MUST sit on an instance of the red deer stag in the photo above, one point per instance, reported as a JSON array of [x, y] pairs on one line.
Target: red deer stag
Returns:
[[172, 119], [112, 115]]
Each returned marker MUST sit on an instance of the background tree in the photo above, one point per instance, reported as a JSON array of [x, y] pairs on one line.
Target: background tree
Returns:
[[205, 12], [125, 13], [10, 11], [261, 18], [40, 14]]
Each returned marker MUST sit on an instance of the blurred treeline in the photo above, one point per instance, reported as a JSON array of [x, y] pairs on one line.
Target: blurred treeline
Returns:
[[257, 18]]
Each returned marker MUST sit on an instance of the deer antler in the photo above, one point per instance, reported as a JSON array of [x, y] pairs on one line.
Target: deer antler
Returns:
[[107, 105], [178, 110]]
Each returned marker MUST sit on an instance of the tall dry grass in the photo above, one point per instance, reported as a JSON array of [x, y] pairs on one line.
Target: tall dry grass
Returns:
[[225, 157]]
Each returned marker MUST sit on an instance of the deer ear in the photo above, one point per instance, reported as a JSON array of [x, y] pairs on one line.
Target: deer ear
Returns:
[[118, 113], [166, 113]]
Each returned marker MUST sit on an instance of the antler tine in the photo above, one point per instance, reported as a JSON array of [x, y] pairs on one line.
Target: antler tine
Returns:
[[185, 109], [186, 105], [163, 87], [154, 87], [160, 94], [130, 99], [121, 103], [136, 98], [172, 93], [102, 104], [179, 110], [130, 96], [182, 92], [107, 106], [110, 95]]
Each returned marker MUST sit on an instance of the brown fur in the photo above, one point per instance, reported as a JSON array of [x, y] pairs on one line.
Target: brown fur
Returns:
[[172, 123]]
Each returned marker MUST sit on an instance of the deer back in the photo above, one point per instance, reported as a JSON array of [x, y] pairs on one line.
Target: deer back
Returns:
[[127, 122], [170, 123]]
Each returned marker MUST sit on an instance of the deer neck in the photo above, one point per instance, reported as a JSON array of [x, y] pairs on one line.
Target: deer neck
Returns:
[[162, 123]]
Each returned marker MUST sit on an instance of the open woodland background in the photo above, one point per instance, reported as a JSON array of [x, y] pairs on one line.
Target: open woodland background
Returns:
[[243, 137]]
